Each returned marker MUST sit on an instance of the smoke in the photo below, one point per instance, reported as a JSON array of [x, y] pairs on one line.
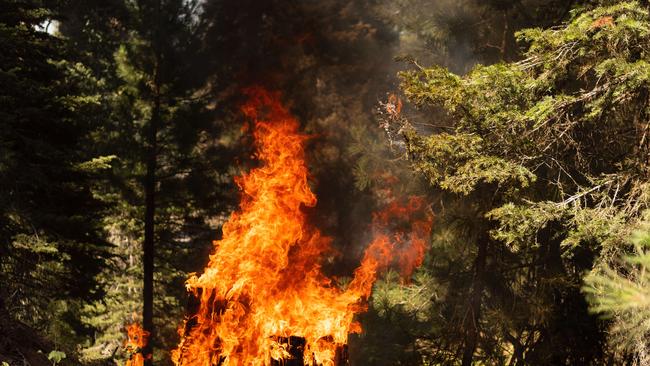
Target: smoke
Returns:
[[334, 62]]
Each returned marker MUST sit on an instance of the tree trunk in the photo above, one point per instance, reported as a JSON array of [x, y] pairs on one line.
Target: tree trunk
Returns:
[[149, 222], [4, 313], [472, 322], [150, 189], [504, 37]]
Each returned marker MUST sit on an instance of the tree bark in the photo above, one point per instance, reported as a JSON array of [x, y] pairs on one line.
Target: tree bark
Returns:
[[504, 37], [149, 222], [150, 188], [471, 325]]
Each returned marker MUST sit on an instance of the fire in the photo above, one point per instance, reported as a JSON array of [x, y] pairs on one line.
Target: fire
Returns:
[[136, 341], [394, 105], [263, 286], [408, 235]]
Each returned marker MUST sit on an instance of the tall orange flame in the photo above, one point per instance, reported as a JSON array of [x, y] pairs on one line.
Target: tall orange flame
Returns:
[[263, 283]]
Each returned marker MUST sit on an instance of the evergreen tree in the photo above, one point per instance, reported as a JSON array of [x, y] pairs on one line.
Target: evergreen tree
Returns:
[[147, 54], [51, 243], [542, 163]]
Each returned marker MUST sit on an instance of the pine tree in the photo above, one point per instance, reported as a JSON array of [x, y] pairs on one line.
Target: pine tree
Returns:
[[51, 243], [541, 166], [127, 42]]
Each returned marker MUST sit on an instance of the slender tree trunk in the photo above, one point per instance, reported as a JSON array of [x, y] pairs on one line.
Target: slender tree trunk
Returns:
[[472, 321], [150, 189], [4, 314], [149, 221], [504, 37]]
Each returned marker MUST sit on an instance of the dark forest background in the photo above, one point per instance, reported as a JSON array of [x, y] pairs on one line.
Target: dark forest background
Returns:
[[524, 123]]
